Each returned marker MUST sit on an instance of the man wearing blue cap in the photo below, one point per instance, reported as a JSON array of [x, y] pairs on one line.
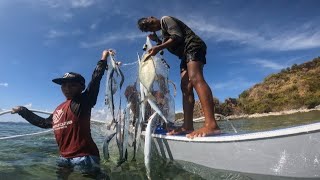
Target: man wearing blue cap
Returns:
[[71, 120]]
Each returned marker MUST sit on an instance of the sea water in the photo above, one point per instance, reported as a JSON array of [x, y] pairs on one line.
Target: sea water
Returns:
[[34, 157]]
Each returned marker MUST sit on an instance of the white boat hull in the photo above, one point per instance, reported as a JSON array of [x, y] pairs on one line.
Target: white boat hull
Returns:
[[290, 152]]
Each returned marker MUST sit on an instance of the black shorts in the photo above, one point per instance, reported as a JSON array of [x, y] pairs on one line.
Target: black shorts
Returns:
[[198, 54]]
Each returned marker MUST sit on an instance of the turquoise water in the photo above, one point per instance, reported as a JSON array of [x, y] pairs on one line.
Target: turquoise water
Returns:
[[33, 157]]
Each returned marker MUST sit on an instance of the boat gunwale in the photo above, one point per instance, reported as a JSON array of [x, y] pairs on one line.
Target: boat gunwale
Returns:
[[225, 137]]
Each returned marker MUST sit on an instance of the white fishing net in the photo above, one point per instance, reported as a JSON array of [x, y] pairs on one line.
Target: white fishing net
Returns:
[[153, 75]]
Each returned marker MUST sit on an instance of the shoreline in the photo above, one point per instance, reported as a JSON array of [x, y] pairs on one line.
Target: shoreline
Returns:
[[286, 112], [256, 115]]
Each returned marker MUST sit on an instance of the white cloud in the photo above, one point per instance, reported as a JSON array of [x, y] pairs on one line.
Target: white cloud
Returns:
[[66, 16], [93, 26], [233, 84], [297, 38], [268, 64], [68, 3], [4, 84], [101, 114], [77, 32], [219, 33], [52, 3], [29, 105], [52, 34], [293, 40], [82, 3], [111, 37]]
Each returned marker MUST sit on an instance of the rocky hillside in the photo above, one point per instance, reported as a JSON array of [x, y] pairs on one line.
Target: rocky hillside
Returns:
[[197, 112], [292, 88]]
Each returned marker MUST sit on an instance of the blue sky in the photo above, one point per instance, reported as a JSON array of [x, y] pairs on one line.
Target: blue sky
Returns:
[[247, 41]]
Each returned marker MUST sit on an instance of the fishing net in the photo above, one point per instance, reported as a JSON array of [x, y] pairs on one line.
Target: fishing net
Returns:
[[153, 75]]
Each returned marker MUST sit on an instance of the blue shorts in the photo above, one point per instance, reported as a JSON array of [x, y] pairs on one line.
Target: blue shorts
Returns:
[[84, 164]]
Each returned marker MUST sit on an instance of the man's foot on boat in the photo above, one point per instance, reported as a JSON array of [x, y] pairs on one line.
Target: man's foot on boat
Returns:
[[180, 131], [169, 126], [202, 132]]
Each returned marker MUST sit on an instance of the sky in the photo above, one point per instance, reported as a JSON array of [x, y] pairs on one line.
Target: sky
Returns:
[[247, 40]]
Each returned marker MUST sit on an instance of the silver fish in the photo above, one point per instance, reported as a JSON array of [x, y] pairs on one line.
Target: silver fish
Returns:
[[156, 108], [141, 119], [119, 142], [109, 93], [126, 130], [137, 131], [147, 69], [114, 86], [105, 146], [147, 72], [115, 66], [111, 86], [147, 142]]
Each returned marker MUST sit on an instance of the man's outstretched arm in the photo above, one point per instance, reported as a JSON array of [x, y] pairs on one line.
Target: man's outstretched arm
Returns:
[[32, 118]]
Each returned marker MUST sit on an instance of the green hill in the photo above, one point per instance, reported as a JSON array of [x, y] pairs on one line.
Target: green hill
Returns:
[[292, 88]]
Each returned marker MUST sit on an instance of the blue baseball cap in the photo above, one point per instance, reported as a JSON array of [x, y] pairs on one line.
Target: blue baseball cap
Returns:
[[70, 77]]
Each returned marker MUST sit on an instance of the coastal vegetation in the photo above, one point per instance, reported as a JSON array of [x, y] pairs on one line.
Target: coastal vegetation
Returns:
[[295, 87]]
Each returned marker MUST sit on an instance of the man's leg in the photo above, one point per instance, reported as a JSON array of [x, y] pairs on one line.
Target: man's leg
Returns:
[[89, 166], [195, 74], [188, 105], [64, 168], [187, 100]]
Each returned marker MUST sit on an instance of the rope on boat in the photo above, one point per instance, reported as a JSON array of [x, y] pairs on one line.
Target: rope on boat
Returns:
[[31, 134], [33, 110]]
